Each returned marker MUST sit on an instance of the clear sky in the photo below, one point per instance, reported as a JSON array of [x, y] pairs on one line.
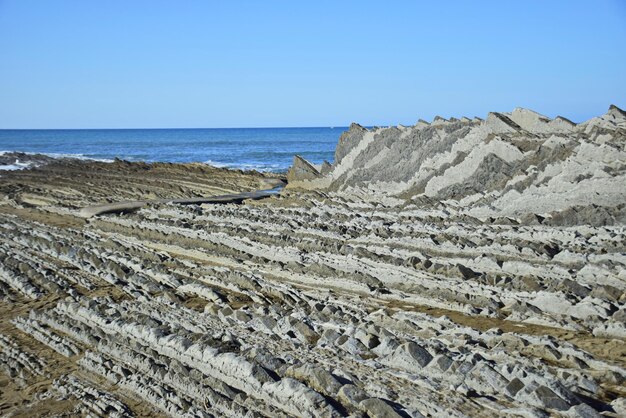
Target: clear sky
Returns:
[[134, 64]]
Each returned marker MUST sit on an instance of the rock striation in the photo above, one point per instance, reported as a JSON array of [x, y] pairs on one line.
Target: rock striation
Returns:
[[519, 164], [338, 296]]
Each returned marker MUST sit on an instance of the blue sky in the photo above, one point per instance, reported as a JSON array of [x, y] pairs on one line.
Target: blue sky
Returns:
[[134, 64]]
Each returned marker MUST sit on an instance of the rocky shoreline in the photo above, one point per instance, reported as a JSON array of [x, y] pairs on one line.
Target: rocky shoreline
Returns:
[[453, 268]]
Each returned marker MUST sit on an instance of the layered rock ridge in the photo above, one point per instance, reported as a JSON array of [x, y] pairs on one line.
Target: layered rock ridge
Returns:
[[509, 165]]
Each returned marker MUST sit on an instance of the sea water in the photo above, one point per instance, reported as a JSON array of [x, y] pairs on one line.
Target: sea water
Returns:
[[263, 149]]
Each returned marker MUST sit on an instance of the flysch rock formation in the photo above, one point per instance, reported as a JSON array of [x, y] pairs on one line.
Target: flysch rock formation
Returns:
[[412, 292], [514, 164]]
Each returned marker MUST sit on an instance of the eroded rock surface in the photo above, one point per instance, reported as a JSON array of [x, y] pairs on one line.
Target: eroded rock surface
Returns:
[[511, 164], [326, 302]]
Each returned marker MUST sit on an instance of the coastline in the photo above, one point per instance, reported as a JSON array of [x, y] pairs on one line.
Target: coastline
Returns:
[[263, 149], [330, 300], [86, 182]]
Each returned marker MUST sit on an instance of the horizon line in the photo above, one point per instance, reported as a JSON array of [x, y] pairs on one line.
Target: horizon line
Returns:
[[229, 127]]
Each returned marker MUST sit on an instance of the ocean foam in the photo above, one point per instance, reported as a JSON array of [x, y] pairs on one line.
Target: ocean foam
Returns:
[[56, 155], [17, 166], [262, 167], [14, 167]]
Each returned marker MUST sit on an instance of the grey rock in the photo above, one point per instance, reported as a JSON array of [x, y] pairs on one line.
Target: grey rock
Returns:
[[619, 405], [409, 356], [351, 394], [549, 399], [317, 378], [301, 169], [514, 386], [378, 408], [582, 411]]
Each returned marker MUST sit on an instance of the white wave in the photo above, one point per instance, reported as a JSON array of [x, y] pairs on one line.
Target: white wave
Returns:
[[57, 155], [263, 167], [216, 164], [16, 166]]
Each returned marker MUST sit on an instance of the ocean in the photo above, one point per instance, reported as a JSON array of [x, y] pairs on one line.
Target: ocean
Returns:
[[263, 149]]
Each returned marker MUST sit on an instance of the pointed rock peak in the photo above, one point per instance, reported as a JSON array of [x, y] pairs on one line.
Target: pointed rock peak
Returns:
[[560, 124], [297, 159], [614, 118], [530, 121], [349, 139], [465, 119], [421, 124], [438, 120], [453, 120], [500, 123], [616, 112], [356, 127], [301, 169], [564, 119], [326, 168], [527, 113]]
